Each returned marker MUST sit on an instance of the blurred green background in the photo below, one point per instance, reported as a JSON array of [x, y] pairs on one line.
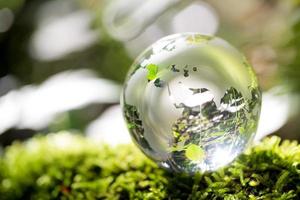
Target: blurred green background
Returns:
[[62, 63]]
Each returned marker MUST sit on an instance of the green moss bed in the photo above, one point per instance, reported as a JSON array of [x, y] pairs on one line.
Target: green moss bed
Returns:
[[68, 166]]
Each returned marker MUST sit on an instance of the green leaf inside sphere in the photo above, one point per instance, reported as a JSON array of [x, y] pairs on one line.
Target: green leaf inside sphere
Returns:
[[152, 71], [194, 153]]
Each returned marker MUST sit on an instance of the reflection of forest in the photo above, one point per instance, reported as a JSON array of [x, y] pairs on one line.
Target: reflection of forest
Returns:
[[231, 126]]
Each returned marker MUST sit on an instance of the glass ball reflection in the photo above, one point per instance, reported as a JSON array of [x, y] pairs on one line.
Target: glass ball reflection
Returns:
[[191, 102]]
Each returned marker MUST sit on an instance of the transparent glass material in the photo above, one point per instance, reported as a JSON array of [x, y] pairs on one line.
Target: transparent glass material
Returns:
[[191, 102]]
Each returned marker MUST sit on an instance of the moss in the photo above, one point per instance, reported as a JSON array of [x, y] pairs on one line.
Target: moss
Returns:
[[66, 166]]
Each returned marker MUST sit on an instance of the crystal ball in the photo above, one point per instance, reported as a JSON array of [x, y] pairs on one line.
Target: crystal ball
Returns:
[[191, 102]]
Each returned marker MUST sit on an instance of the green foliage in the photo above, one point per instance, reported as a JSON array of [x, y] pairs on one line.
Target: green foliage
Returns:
[[152, 71], [194, 153], [65, 166]]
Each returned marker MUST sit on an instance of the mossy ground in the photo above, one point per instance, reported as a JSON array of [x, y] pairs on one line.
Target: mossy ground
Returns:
[[66, 166]]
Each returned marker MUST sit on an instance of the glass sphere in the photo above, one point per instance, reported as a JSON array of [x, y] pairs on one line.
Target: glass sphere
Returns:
[[191, 102]]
